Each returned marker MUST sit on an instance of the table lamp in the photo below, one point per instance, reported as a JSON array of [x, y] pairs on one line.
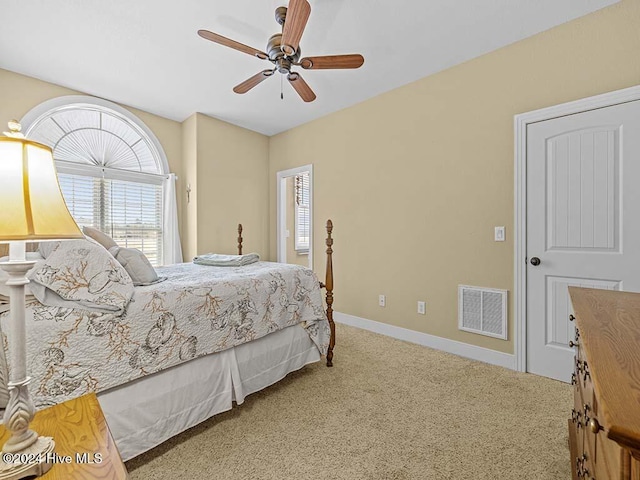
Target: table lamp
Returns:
[[31, 209]]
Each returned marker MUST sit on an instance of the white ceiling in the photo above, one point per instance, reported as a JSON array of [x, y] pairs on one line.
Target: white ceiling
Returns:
[[146, 53]]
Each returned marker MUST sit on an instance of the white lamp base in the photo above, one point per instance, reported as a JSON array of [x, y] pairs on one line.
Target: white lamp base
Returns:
[[24, 454], [34, 460]]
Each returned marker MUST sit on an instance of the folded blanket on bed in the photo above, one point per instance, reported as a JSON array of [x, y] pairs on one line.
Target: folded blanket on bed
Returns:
[[218, 260]]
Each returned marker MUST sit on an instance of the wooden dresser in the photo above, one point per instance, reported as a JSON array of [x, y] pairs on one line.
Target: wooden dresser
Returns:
[[604, 429]]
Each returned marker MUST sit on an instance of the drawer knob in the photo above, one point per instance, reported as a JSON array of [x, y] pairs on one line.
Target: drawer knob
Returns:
[[594, 426], [571, 318], [573, 344]]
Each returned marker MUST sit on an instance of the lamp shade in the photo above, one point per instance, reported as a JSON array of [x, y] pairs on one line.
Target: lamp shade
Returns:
[[31, 203]]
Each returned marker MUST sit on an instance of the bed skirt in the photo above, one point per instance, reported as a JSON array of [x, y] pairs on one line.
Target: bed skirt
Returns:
[[146, 412]]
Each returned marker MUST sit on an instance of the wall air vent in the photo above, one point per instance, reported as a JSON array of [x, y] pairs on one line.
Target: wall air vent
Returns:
[[483, 311]]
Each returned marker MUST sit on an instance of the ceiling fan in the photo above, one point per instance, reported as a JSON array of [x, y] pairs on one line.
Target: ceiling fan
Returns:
[[284, 51]]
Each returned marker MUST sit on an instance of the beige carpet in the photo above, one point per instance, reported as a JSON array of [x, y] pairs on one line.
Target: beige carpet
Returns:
[[387, 410]]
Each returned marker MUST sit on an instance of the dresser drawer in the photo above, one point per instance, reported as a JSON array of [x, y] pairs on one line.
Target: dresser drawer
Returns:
[[608, 459], [577, 411], [635, 469], [601, 458], [582, 373], [606, 381], [573, 449]]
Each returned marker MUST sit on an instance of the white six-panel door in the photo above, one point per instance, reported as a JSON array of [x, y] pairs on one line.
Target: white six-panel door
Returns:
[[583, 222]]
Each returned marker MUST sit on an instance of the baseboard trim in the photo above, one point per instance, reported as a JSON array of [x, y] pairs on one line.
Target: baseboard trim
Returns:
[[438, 343]]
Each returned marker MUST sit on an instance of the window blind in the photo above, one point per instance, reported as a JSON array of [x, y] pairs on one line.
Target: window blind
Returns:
[[130, 212], [302, 212]]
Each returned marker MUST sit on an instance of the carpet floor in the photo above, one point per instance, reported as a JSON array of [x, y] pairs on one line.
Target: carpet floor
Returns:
[[387, 410]]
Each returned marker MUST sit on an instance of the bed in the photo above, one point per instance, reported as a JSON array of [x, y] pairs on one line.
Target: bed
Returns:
[[174, 353]]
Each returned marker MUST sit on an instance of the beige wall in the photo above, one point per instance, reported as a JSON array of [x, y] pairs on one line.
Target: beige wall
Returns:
[[189, 211], [232, 177], [416, 179]]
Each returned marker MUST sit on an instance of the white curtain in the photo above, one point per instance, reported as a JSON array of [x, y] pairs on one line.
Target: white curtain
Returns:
[[172, 249]]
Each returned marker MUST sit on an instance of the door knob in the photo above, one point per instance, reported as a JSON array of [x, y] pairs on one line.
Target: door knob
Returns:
[[535, 261]]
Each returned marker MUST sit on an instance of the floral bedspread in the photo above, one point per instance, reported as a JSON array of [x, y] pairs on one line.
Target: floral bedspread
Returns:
[[198, 310]]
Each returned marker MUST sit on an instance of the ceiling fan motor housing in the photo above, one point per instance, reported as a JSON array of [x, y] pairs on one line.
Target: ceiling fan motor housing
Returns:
[[275, 52]]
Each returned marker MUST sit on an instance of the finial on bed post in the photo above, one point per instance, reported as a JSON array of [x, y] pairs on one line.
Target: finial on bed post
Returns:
[[239, 239], [329, 286]]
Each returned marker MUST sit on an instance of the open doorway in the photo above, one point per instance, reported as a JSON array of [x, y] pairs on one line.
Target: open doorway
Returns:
[[295, 215]]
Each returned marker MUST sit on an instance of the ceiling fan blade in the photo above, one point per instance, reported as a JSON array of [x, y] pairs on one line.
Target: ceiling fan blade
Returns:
[[332, 61], [295, 21], [227, 42], [301, 87], [248, 84]]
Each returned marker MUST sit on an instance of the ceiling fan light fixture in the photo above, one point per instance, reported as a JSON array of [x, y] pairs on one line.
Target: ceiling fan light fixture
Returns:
[[283, 65]]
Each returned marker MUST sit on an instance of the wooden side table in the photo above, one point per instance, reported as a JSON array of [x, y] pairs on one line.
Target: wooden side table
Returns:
[[80, 431]]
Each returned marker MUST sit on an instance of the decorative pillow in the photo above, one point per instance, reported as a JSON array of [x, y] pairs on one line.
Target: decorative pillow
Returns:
[[4, 276], [102, 238], [137, 265], [82, 274], [45, 248]]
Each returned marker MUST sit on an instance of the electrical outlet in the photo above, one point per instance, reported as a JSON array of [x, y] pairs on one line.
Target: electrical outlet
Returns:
[[422, 308], [382, 300]]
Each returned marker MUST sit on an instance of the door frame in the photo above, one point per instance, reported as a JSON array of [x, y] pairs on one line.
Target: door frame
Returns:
[[521, 122], [281, 211]]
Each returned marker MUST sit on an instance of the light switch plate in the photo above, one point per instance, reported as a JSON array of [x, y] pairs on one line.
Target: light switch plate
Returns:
[[499, 234], [422, 308]]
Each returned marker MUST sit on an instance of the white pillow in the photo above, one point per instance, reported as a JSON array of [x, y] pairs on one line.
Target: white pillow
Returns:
[[137, 265], [102, 238], [82, 274]]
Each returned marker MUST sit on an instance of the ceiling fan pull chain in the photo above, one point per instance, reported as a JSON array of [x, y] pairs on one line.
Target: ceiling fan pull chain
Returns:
[[281, 90]]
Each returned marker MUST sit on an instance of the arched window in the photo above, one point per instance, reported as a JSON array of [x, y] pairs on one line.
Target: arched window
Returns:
[[111, 169]]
